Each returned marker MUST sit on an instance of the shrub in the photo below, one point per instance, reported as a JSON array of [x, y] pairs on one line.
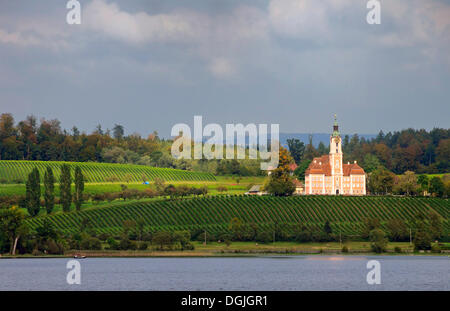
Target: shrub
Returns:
[[112, 243], [104, 236], [143, 246], [435, 248], [54, 248], [379, 241], [422, 241], [344, 249], [162, 239], [125, 244], [91, 243], [397, 249], [264, 237]]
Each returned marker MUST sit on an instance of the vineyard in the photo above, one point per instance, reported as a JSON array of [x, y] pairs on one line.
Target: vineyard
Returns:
[[213, 214], [17, 171]]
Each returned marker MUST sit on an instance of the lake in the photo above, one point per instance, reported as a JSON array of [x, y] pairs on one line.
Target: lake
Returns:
[[239, 273]]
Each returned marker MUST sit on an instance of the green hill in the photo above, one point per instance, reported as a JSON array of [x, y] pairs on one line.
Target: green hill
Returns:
[[346, 214], [17, 171]]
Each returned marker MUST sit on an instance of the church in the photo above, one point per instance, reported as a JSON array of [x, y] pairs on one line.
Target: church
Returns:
[[327, 174]]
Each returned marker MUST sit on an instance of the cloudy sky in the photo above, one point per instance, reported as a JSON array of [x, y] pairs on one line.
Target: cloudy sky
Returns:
[[149, 64]]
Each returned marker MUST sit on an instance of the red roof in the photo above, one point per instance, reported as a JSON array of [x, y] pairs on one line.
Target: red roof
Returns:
[[298, 183], [353, 169], [321, 166]]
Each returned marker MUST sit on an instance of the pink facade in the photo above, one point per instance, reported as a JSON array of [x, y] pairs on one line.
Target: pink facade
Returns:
[[328, 175]]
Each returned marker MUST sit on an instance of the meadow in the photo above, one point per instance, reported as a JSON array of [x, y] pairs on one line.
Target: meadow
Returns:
[[232, 184]]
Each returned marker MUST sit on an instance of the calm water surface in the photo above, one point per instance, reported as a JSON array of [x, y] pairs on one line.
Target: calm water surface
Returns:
[[261, 273]]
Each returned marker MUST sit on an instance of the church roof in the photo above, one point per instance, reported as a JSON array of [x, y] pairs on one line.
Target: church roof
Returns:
[[352, 169], [321, 165]]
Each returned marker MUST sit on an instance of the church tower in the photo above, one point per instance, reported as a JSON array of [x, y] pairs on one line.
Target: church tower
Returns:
[[336, 158]]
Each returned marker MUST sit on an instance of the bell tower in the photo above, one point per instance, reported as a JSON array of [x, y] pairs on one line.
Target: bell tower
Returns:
[[335, 139], [336, 158]]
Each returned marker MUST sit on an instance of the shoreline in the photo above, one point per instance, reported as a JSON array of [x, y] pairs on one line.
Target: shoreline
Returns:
[[181, 254]]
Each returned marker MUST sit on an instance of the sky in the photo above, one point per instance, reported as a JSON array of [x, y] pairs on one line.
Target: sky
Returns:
[[150, 64]]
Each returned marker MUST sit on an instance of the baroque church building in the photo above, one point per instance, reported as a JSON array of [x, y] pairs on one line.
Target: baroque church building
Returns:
[[327, 174]]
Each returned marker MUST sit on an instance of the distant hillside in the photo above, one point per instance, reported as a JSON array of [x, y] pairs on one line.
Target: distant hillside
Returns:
[[17, 171], [317, 137]]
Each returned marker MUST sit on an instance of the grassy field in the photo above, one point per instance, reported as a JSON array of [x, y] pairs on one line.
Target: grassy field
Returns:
[[212, 249], [17, 171], [214, 214], [233, 185]]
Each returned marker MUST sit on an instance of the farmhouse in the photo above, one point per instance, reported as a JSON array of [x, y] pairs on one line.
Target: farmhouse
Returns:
[[327, 174]]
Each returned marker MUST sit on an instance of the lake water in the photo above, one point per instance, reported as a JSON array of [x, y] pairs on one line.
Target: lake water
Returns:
[[256, 273]]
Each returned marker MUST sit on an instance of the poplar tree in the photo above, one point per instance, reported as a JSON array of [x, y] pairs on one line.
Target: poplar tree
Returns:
[[64, 188], [79, 188], [49, 190], [33, 193]]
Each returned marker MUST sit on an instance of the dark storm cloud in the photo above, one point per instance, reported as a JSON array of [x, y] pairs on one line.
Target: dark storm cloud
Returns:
[[151, 64]]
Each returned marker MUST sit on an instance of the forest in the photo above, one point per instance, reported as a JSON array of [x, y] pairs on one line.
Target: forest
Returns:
[[416, 150]]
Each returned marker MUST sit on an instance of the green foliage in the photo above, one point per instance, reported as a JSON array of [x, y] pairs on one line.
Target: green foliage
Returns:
[[12, 226], [237, 229], [424, 182], [296, 149], [437, 186], [407, 184], [112, 243], [398, 231], [100, 172], [371, 163], [370, 224], [47, 239], [49, 190], [327, 228], [422, 240], [300, 170], [79, 188], [381, 181], [33, 193], [347, 215], [65, 195], [379, 241], [280, 182], [162, 240], [91, 243], [264, 237]]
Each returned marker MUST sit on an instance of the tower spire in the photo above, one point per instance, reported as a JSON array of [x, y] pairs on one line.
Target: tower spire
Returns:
[[336, 127]]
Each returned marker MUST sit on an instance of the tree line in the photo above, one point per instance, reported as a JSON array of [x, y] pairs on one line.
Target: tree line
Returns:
[[47, 141], [422, 231], [32, 199], [419, 151]]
